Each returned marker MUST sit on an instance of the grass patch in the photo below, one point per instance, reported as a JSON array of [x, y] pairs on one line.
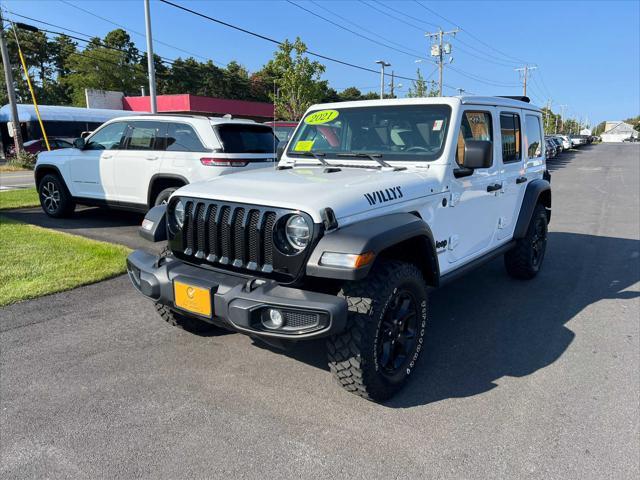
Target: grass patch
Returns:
[[20, 198], [36, 261], [12, 168]]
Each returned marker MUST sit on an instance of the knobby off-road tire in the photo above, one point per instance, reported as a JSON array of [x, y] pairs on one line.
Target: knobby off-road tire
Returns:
[[525, 259], [55, 199], [393, 299], [176, 319]]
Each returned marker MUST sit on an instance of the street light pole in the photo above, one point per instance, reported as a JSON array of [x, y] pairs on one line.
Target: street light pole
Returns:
[[150, 65], [382, 64]]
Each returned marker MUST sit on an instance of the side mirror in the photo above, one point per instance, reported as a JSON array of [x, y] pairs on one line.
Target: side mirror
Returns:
[[280, 149], [79, 143], [477, 154]]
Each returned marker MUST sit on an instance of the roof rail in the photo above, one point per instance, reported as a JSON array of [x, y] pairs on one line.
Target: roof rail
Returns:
[[521, 98]]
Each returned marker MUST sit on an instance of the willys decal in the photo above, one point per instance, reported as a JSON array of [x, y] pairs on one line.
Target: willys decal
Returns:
[[383, 196]]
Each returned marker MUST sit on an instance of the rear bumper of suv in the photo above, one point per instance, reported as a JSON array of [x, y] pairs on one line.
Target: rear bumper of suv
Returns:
[[240, 303]]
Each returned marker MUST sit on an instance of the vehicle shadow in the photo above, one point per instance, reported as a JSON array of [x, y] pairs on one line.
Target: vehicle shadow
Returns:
[[565, 158], [486, 326], [83, 217]]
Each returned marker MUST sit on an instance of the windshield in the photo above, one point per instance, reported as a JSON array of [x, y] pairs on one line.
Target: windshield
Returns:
[[243, 138], [400, 132]]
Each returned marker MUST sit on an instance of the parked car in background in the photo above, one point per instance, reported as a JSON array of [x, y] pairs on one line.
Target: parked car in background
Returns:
[[550, 148], [36, 146], [556, 143], [566, 143], [283, 130], [137, 162], [577, 140]]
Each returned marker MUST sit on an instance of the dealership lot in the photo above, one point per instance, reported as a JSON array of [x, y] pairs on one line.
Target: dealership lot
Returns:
[[522, 379]]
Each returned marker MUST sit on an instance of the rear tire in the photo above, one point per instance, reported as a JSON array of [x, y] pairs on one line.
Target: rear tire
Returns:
[[163, 197], [524, 261], [55, 199], [387, 318]]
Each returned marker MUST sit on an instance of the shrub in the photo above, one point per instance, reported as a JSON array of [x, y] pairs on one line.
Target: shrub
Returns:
[[23, 160]]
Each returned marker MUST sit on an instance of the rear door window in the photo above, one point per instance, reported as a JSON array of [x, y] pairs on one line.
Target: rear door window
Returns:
[[183, 138], [534, 137], [511, 137], [242, 138], [145, 135]]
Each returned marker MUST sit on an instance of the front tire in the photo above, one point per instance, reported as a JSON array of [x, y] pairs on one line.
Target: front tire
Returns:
[[387, 318], [55, 199], [524, 261], [176, 319]]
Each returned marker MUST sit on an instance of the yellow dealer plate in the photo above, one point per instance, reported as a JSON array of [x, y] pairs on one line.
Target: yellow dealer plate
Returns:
[[191, 298]]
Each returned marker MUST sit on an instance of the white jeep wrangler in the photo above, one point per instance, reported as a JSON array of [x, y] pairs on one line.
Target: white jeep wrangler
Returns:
[[372, 203]]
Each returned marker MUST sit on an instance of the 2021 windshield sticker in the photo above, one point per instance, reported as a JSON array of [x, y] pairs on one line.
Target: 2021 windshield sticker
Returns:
[[321, 116]]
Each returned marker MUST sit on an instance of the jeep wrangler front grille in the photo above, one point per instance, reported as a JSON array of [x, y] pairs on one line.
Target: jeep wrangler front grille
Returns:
[[237, 236]]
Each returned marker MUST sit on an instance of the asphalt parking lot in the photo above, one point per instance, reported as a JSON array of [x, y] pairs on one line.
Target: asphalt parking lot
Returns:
[[535, 379]]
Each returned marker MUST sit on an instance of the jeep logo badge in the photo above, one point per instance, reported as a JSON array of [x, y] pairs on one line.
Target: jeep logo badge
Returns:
[[191, 292], [383, 196]]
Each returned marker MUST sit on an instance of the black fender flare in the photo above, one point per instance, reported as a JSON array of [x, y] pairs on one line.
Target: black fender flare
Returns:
[[538, 191], [375, 235], [154, 225], [46, 166]]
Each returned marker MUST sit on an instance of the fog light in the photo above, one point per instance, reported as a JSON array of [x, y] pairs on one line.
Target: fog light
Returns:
[[276, 318], [272, 318]]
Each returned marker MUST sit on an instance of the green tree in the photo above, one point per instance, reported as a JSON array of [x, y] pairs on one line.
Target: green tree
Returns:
[[350, 94], [422, 88], [297, 79], [114, 64]]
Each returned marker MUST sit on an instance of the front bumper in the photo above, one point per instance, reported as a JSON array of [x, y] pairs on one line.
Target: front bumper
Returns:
[[240, 302]]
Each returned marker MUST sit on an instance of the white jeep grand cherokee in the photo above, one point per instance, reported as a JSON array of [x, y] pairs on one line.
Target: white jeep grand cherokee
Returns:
[[372, 204], [137, 162]]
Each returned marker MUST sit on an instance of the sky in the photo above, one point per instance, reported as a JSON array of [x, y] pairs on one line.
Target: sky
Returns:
[[587, 53]]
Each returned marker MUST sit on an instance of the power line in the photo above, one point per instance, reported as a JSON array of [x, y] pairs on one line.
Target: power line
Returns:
[[361, 27], [137, 33], [480, 79], [412, 55], [469, 33], [102, 44], [272, 40], [433, 25], [387, 14]]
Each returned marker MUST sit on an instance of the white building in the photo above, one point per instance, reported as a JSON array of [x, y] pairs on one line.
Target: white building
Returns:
[[617, 132]]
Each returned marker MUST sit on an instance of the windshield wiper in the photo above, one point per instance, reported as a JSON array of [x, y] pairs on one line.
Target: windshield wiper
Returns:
[[376, 157], [317, 156]]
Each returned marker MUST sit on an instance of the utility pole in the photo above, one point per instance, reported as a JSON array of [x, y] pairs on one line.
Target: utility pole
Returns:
[[382, 64], [461, 91], [391, 85], [562, 107], [8, 78], [150, 65], [526, 71], [546, 119], [439, 49]]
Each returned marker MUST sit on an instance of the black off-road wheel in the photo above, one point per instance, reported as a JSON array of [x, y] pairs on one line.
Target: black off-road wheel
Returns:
[[387, 319], [176, 319], [55, 199], [524, 261]]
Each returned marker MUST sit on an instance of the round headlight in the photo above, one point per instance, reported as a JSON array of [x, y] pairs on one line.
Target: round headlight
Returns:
[[297, 232], [178, 212]]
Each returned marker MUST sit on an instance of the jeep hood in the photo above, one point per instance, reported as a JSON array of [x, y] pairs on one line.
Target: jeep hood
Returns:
[[348, 192]]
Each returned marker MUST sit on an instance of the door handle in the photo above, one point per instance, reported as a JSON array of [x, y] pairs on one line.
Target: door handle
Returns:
[[521, 180], [151, 157], [495, 187], [107, 156]]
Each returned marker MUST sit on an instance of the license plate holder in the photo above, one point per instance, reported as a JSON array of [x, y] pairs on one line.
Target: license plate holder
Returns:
[[192, 298]]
